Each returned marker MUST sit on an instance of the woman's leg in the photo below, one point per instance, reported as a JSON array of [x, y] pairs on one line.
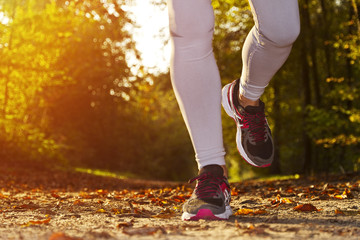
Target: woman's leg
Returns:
[[265, 50], [195, 77], [268, 44]]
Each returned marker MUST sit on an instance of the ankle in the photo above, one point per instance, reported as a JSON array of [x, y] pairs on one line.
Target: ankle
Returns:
[[244, 102], [225, 170]]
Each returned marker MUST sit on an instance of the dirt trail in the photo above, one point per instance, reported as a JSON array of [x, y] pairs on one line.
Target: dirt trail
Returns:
[[66, 206]]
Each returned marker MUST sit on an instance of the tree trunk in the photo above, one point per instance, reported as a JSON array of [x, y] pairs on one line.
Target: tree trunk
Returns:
[[307, 167], [275, 166], [326, 38], [356, 15], [314, 67], [349, 67]]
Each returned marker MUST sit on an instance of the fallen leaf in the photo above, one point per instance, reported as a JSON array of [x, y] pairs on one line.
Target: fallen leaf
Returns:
[[251, 227], [339, 212], [179, 198], [234, 192], [116, 211], [85, 195], [160, 202], [3, 196], [306, 208], [101, 211], [339, 197], [125, 225], [55, 195], [286, 200], [102, 192], [348, 193], [79, 202], [246, 211], [243, 211], [279, 200], [45, 221], [346, 212], [258, 212]]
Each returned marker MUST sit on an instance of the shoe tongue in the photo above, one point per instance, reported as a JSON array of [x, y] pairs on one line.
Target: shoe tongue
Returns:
[[255, 109], [214, 169]]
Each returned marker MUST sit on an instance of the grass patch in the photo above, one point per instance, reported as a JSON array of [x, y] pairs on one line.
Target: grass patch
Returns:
[[279, 177], [105, 173], [252, 176]]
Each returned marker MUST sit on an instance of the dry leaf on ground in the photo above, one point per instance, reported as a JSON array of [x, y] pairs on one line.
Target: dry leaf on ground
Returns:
[[306, 208]]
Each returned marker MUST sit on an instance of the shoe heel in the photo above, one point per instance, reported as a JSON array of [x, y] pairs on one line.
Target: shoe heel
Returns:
[[225, 101]]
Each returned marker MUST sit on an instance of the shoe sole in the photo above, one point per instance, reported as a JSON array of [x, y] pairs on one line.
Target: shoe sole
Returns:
[[226, 105], [207, 214]]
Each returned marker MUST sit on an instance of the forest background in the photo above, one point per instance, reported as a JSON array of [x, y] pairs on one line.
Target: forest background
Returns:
[[72, 97]]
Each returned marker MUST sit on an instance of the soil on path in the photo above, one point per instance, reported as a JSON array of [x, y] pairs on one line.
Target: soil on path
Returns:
[[58, 205]]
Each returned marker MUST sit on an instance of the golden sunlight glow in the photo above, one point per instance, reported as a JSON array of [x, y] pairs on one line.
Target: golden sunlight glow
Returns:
[[3, 19], [152, 35]]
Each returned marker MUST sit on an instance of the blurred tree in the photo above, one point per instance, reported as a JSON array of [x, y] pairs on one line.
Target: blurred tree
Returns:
[[333, 120], [70, 92]]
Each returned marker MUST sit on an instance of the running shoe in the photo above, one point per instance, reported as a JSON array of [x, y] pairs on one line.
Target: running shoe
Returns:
[[211, 197], [253, 137]]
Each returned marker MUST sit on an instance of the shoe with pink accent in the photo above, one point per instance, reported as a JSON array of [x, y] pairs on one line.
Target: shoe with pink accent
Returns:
[[211, 197], [253, 137]]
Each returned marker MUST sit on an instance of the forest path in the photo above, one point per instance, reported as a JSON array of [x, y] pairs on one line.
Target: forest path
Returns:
[[57, 205]]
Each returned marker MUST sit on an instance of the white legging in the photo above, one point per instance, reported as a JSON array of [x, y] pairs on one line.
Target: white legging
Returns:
[[194, 73]]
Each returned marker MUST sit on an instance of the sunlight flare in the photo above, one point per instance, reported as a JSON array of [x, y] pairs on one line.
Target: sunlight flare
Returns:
[[152, 35]]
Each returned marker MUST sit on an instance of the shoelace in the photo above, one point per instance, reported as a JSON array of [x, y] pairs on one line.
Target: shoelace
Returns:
[[256, 123], [208, 185]]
